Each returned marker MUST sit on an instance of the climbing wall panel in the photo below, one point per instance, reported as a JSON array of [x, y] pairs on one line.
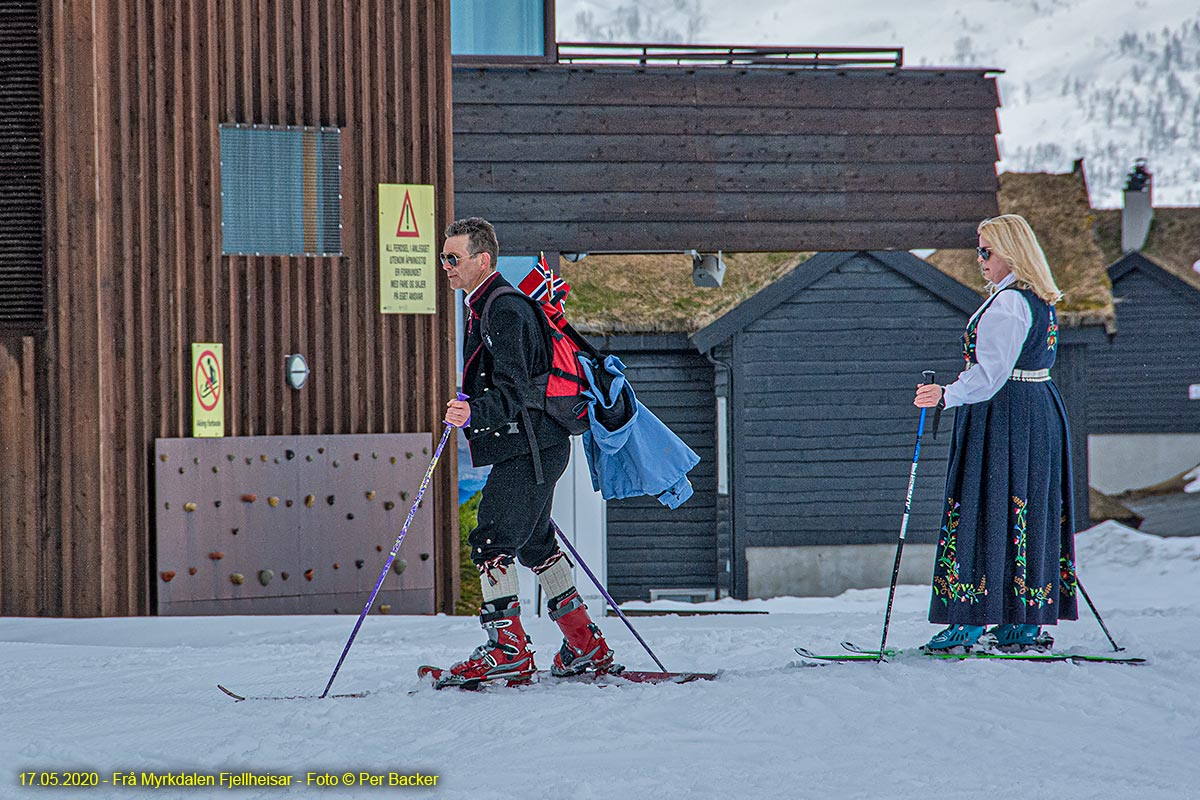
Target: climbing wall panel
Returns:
[[291, 524]]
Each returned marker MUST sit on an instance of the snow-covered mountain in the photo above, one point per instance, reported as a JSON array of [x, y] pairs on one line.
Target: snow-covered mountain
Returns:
[[1108, 80]]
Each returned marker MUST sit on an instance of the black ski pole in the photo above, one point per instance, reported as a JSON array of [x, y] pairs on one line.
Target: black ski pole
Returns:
[[930, 376], [603, 591], [1096, 613]]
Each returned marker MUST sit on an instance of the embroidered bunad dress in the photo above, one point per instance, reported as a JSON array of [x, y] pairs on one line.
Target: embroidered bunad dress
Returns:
[[1006, 550]]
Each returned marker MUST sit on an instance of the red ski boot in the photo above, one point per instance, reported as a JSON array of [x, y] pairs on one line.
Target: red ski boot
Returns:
[[583, 646], [505, 656]]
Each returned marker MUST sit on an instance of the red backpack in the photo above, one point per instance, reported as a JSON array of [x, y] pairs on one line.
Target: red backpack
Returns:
[[557, 392]]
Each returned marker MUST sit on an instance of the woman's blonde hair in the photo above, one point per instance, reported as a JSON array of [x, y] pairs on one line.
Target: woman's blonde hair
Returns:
[[1013, 240]]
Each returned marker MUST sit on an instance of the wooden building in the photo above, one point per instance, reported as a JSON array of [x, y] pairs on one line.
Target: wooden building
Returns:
[[114, 118], [653, 149], [804, 368], [1145, 397], [1141, 379]]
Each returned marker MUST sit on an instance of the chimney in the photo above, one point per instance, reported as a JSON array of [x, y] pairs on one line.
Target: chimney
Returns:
[[1138, 211]]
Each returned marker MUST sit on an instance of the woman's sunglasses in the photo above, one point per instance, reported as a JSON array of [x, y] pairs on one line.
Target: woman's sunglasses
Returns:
[[983, 253], [452, 260]]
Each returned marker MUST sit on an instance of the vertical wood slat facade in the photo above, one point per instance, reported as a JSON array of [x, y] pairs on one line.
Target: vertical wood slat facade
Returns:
[[22, 316], [134, 93]]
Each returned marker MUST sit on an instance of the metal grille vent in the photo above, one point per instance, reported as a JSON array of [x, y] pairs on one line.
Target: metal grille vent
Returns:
[[22, 282], [281, 190]]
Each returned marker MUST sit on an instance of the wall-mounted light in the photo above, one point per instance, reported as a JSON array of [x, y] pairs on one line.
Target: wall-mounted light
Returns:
[[708, 269], [295, 370]]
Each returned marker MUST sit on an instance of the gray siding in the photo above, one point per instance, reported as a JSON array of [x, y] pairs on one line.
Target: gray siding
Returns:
[[726, 556], [825, 426], [627, 159], [1139, 380], [649, 545]]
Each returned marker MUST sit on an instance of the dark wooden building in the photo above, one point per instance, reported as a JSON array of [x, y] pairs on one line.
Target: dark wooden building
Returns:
[[821, 369], [740, 149], [651, 547], [112, 119], [1140, 378], [802, 395]]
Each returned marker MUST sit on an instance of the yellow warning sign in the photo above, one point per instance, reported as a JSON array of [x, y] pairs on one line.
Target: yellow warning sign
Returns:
[[208, 390], [407, 249]]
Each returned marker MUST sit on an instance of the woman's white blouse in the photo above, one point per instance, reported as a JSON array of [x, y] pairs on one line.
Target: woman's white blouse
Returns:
[[998, 340]]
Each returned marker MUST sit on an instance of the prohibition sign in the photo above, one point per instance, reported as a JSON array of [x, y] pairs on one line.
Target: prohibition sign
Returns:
[[208, 380]]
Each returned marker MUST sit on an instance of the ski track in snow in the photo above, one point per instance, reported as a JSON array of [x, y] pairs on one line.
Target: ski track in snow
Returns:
[[140, 694]]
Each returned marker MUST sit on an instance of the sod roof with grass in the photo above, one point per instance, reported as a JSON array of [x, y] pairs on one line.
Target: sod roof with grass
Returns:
[[1058, 209], [1173, 241], [653, 293]]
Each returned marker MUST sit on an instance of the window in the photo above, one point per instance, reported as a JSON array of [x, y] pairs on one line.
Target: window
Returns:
[[498, 27], [281, 190]]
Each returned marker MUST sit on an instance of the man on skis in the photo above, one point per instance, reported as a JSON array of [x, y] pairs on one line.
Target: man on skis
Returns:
[[528, 452]]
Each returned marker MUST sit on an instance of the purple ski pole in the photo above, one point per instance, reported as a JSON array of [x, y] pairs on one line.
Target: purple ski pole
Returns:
[[392, 556], [603, 591]]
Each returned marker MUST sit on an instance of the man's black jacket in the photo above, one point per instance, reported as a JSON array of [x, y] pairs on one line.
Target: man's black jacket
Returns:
[[498, 367]]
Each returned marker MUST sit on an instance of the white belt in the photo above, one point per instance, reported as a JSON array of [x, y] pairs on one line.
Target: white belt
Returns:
[[1031, 375]]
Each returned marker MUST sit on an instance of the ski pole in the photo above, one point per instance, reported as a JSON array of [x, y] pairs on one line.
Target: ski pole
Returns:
[[395, 549], [1096, 613], [603, 591], [930, 376]]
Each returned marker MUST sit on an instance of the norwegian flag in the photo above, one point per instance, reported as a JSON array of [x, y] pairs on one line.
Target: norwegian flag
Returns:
[[543, 285]]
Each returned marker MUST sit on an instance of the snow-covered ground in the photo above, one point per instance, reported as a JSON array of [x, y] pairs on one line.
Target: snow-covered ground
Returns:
[[138, 695]]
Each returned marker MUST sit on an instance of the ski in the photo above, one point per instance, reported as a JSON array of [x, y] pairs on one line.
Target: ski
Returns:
[[240, 697], [434, 675], [857, 654]]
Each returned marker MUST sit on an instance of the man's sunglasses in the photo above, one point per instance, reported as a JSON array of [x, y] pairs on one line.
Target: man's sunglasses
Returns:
[[452, 260], [983, 253]]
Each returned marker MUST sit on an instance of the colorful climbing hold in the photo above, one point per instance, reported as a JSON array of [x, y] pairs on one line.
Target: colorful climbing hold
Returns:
[[167, 576]]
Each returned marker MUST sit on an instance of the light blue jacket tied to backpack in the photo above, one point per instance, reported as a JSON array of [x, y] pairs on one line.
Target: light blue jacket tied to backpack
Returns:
[[642, 456]]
